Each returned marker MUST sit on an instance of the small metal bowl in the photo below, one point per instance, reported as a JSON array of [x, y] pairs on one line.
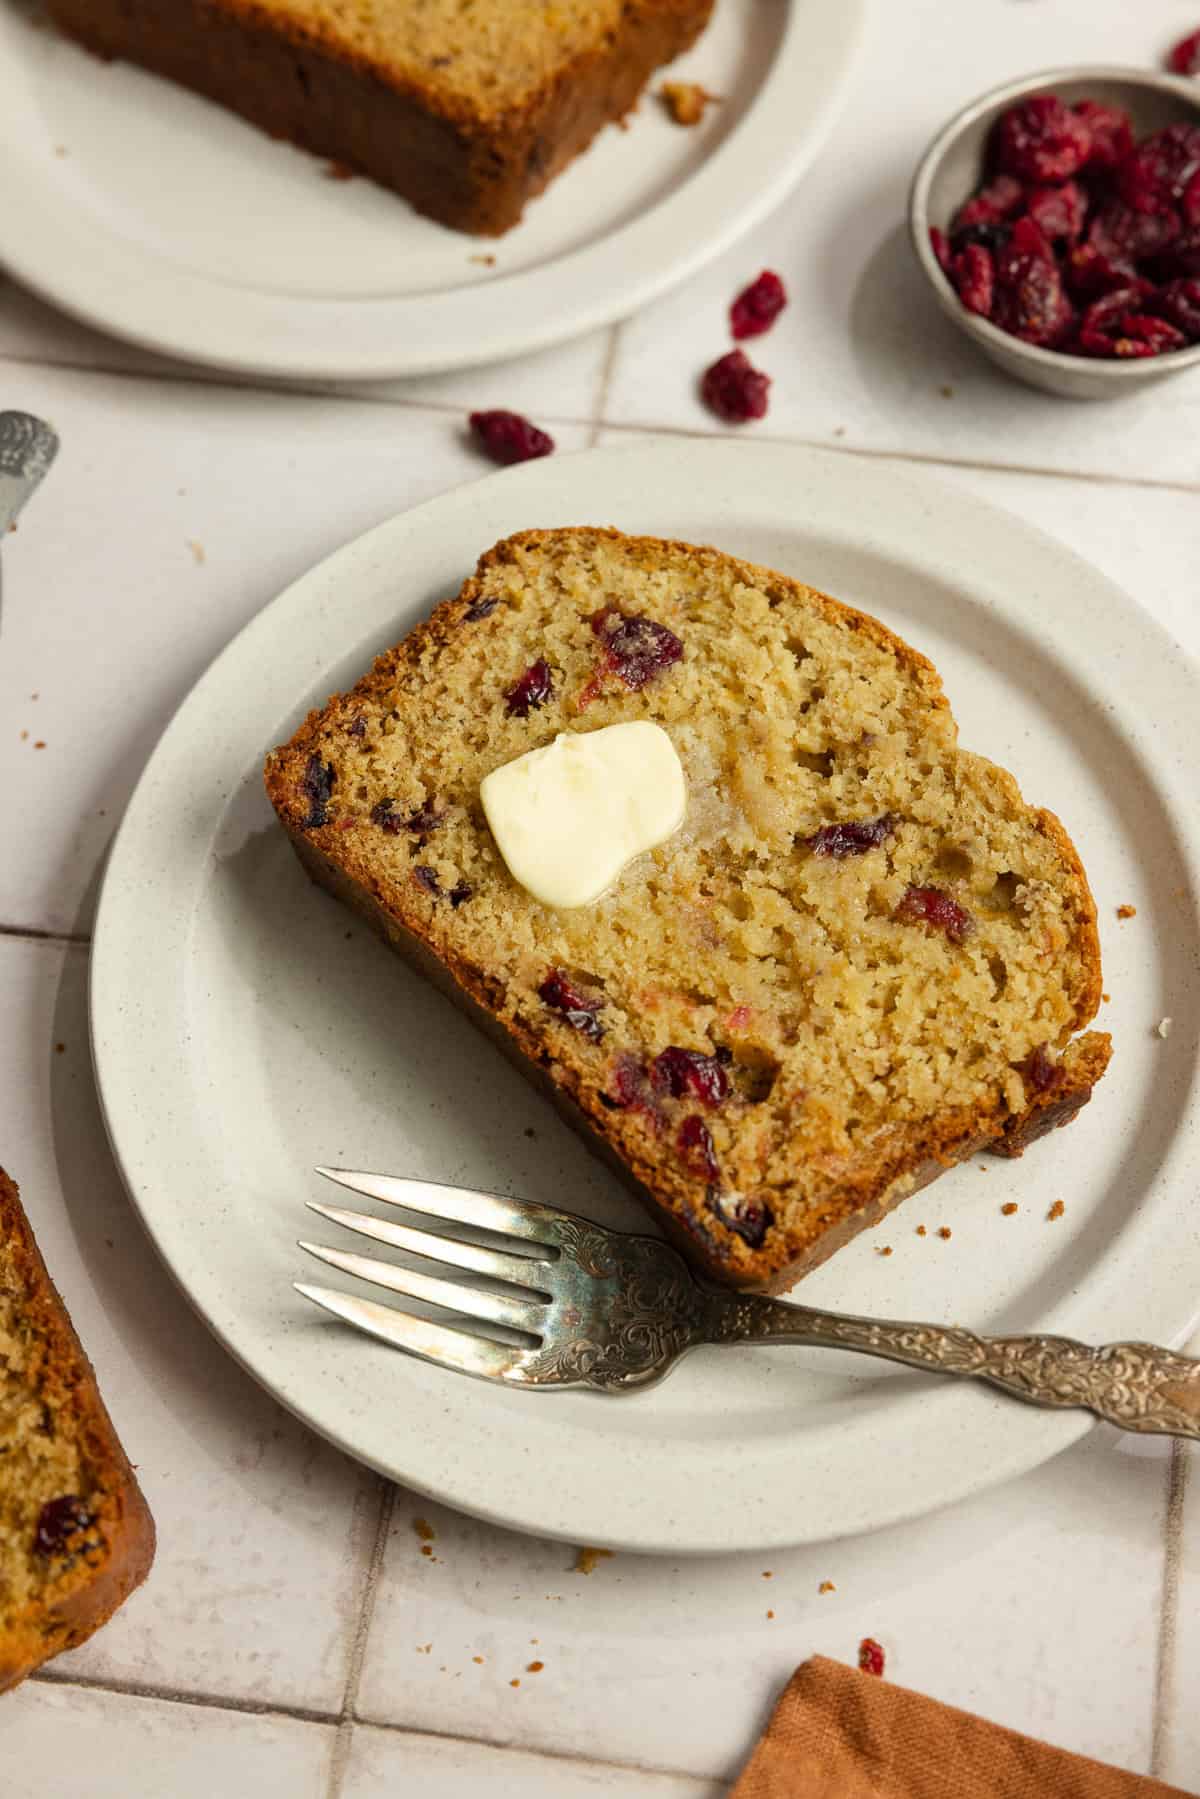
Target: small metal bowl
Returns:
[[950, 171]]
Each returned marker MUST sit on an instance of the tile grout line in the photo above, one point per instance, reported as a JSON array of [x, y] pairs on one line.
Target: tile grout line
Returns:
[[1164, 1675], [604, 385], [339, 1760], [32, 934], [138, 1689]]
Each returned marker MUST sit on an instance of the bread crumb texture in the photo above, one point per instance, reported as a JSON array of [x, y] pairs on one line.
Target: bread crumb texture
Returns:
[[878, 951]]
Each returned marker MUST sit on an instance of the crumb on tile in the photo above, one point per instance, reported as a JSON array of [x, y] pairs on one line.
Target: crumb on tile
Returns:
[[946, 391], [921, 1231], [477, 1658], [1163, 1027], [514, 1683], [24, 736], [489, 262], [60, 149], [1007, 1210], [586, 1560], [768, 1573], [424, 1530], [686, 101], [1056, 1210], [427, 1549], [197, 549], [534, 1667], [883, 1249], [1106, 997], [40, 743], [871, 1656], [1126, 911], [529, 1131], [770, 1614], [945, 1233], [59, 1049], [826, 1586]]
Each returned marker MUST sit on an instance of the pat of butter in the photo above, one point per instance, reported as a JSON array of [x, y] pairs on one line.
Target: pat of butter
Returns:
[[569, 817]]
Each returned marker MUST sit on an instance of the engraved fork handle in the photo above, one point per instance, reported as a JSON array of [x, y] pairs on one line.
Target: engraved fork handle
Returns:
[[1136, 1386]]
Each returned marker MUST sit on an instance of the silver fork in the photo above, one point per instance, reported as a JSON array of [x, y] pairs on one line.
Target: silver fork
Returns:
[[567, 1303]]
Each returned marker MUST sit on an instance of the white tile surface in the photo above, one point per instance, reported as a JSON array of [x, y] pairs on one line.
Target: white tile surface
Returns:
[[562, 383], [108, 614], [66, 1743], [862, 355], [985, 1607], [263, 1530], [387, 1761]]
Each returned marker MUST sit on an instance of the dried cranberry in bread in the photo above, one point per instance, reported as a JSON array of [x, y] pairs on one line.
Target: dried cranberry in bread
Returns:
[[468, 111], [862, 958], [76, 1536]]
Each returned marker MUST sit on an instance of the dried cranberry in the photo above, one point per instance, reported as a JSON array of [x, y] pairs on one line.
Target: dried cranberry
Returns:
[[58, 1521], [320, 779], [1184, 58], [1142, 335], [1115, 326], [989, 237], [853, 838], [734, 389], [750, 1219], [1189, 204], [1031, 302], [637, 649], [1041, 140], [627, 1082], [460, 894], [934, 907], [357, 727], [974, 278], [1000, 199], [1059, 212], [481, 609], [577, 1008], [422, 823], [1090, 274], [758, 306], [426, 877], [1127, 236], [696, 1150], [508, 437], [1180, 258], [1040, 1072], [684, 1072], [870, 1656], [940, 245], [530, 691], [1111, 132], [1156, 173], [1179, 302]]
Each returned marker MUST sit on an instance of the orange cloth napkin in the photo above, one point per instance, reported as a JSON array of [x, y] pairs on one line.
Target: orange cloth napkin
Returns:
[[840, 1734]]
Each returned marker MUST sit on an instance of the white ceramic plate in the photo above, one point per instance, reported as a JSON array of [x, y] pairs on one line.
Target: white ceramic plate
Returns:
[[117, 208], [246, 1028]]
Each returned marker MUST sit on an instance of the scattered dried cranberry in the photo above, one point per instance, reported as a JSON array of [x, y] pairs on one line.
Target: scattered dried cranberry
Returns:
[[934, 907], [750, 1219], [853, 838], [974, 278], [870, 1656], [508, 437], [758, 306], [684, 1072], [1059, 212], [1179, 302], [577, 1008], [637, 649], [734, 389], [58, 1521], [422, 823], [1156, 174], [1000, 199], [696, 1150], [426, 877], [1031, 302], [1041, 140], [481, 609], [1111, 133], [1040, 1072], [1185, 55], [530, 691], [319, 781]]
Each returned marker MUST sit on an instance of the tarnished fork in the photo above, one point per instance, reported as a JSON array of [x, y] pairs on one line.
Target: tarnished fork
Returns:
[[567, 1303]]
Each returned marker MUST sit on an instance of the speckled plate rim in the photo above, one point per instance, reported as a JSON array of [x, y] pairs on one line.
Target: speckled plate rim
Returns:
[[935, 1445], [108, 281]]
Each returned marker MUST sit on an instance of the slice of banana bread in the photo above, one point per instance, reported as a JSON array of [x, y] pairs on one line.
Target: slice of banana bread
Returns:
[[466, 110], [861, 958], [76, 1536]]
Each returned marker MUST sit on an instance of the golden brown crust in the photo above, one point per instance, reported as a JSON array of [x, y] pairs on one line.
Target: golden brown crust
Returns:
[[85, 1595], [470, 166], [909, 1157]]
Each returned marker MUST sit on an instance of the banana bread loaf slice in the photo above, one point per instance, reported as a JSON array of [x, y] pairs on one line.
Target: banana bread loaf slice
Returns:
[[466, 110], [76, 1536], [861, 958]]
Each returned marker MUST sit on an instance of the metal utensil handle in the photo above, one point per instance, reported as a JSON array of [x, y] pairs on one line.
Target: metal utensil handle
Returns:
[[1136, 1386]]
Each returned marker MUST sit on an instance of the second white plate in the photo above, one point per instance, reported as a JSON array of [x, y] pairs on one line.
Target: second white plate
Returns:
[[117, 208], [246, 1027]]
